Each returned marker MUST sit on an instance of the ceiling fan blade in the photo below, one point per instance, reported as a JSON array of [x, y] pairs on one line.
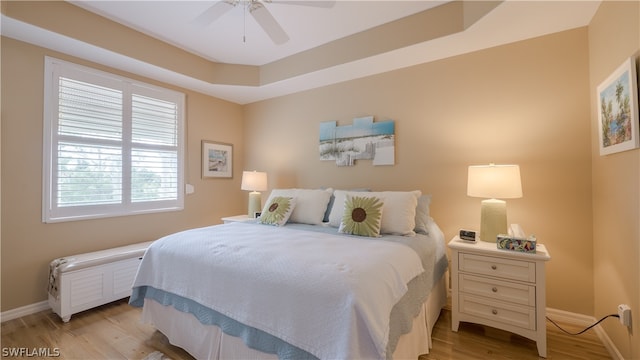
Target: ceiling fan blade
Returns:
[[214, 12], [268, 23], [321, 4]]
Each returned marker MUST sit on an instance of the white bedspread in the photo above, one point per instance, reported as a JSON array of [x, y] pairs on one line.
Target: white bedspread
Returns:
[[330, 295]]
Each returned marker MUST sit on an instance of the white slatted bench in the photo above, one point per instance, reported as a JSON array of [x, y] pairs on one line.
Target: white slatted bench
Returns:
[[84, 281]]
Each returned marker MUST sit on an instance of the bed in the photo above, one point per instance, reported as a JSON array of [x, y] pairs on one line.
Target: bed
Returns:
[[310, 287]]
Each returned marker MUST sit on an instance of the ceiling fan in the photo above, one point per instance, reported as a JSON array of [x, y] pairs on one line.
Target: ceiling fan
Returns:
[[259, 11]]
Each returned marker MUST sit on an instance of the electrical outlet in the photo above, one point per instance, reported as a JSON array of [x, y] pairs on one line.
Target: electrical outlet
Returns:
[[624, 312]]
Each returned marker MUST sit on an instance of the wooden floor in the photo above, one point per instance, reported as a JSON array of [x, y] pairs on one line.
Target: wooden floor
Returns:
[[114, 331], [482, 342]]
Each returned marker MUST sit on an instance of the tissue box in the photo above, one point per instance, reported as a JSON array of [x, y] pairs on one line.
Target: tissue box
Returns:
[[506, 242]]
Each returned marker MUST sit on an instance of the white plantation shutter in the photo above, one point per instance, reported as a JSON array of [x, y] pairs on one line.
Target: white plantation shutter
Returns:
[[112, 146]]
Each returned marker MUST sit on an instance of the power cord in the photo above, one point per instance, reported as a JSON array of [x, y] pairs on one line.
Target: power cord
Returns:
[[578, 333]]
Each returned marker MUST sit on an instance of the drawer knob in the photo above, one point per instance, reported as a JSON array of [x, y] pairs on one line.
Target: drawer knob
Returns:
[[493, 267], [494, 312], [494, 289]]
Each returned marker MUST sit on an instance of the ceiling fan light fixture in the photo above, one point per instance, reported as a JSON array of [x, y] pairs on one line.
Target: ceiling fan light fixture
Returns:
[[254, 5], [260, 13]]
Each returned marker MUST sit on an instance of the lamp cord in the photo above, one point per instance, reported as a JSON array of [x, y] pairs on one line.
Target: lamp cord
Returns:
[[578, 333]]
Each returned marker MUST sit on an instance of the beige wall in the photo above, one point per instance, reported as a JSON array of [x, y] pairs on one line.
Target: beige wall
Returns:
[[28, 245], [614, 36], [525, 103]]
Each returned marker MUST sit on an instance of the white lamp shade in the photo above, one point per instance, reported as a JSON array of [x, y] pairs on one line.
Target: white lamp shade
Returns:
[[494, 181], [254, 181]]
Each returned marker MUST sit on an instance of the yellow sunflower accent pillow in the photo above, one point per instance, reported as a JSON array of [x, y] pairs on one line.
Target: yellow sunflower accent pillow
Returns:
[[277, 211], [362, 216]]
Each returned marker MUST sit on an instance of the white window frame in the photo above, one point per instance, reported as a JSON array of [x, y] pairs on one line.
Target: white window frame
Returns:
[[51, 212]]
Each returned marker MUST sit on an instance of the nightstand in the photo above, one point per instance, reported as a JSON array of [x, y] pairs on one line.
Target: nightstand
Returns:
[[499, 288], [237, 218]]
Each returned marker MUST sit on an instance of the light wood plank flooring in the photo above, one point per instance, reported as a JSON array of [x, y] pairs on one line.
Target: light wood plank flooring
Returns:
[[113, 331], [474, 341]]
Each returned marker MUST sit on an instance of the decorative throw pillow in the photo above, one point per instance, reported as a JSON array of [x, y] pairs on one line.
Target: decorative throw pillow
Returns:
[[362, 216], [277, 211]]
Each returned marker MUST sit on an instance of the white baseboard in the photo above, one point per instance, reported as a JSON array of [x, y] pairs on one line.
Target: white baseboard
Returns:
[[570, 318], [585, 321], [23, 311]]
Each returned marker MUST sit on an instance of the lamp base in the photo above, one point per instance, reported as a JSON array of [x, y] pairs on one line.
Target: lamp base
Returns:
[[493, 219], [255, 204]]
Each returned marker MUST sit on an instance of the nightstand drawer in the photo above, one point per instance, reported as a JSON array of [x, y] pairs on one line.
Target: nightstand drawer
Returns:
[[498, 311], [499, 290], [494, 266]]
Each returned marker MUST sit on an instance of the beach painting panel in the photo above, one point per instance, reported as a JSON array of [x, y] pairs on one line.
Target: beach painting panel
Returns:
[[363, 140]]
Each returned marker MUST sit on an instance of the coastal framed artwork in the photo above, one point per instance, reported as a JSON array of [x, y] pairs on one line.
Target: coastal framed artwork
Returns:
[[364, 139], [217, 160], [618, 110]]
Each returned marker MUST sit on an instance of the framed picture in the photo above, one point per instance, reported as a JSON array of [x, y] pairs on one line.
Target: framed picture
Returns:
[[618, 110], [217, 160]]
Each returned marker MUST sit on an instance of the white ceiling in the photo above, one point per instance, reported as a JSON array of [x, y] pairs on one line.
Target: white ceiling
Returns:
[[307, 27]]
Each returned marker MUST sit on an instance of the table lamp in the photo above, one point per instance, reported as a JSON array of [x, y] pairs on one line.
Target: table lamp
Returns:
[[255, 182], [494, 182]]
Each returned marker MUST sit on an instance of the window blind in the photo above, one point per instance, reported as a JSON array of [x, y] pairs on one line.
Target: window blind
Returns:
[[113, 146]]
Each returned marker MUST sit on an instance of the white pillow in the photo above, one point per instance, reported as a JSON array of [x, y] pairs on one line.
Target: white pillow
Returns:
[[399, 217], [310, 204], [337, 209]]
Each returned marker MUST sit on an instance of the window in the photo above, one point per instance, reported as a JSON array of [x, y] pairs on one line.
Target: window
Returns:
[[112, 146]]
